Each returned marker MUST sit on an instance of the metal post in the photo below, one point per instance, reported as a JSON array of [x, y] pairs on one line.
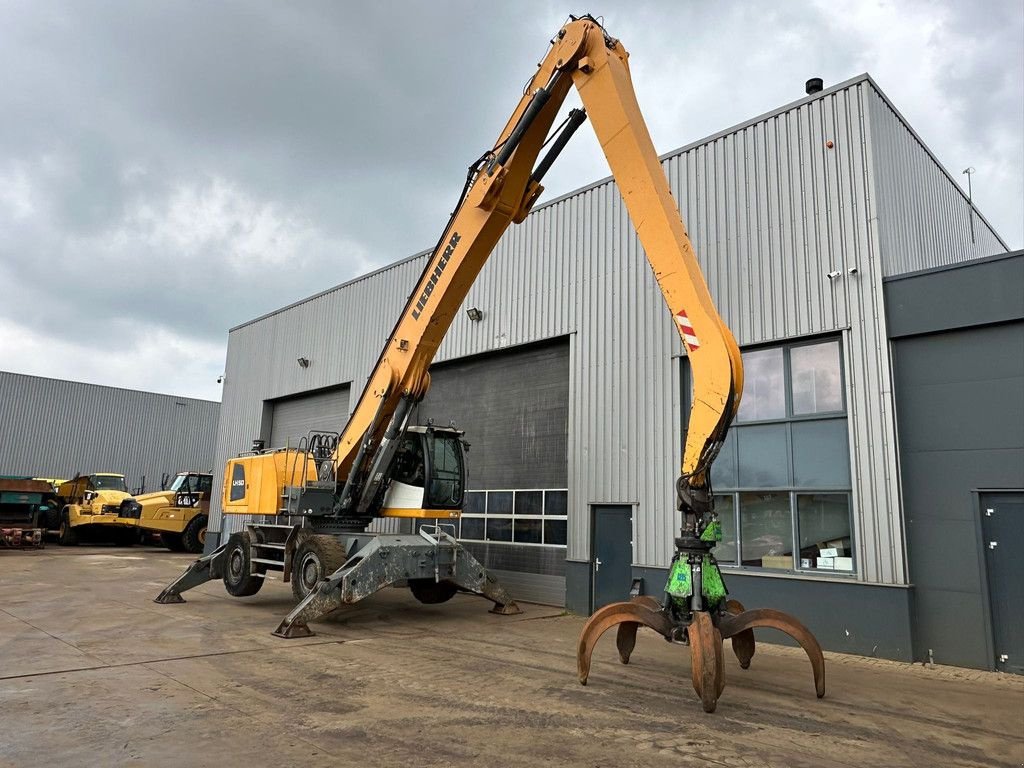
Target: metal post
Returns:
[[969, 171]]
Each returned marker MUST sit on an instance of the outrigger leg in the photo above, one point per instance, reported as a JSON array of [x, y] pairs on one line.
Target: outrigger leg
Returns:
[[388, 559], [206, 568]]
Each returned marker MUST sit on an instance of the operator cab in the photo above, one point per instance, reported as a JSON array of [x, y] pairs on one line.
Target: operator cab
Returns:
[[427, 474]]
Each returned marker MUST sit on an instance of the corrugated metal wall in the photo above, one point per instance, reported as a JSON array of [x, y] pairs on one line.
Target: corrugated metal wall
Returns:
[[771, 210], [54, 428], [924, 218]]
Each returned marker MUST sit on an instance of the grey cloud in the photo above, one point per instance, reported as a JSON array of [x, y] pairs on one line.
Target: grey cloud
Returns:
[[338, 134]]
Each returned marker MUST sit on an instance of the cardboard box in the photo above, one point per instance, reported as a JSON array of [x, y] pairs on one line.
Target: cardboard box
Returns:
[[841, 544], [826, 563], [844, 563], [777, 561]]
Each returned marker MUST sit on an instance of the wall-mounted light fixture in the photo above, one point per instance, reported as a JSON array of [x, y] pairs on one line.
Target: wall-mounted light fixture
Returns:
[[474, 314], [303, 362]]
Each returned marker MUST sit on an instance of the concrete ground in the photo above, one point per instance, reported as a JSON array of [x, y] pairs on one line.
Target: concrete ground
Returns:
[[93, 673]]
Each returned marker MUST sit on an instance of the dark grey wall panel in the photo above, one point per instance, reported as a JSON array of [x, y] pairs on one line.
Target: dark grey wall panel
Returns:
[[960, 411], [578, 585], [974, 293], [55, 428], [514, 407]]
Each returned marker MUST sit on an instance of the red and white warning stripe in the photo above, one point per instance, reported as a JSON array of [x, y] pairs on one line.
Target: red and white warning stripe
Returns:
[[689, 335]]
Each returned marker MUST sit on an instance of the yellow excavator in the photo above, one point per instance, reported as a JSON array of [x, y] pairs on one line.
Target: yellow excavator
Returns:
[[325, 493]]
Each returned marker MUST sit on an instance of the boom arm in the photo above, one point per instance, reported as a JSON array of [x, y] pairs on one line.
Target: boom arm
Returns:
[[501, 188]]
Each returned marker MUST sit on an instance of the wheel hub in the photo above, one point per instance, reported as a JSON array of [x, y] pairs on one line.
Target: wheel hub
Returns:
[[311, 571], [235, 563]]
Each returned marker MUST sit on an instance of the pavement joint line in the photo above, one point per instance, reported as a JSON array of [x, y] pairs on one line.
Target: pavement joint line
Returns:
[[143, 662], [53, 636], [227, 705]]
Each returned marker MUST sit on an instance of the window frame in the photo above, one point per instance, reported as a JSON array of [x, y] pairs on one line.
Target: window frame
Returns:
[[787, 382], [543, 517], [791, 489]]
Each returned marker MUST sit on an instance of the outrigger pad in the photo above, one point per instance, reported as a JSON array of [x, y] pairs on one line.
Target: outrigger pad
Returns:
[[388, 559], [206, 568]]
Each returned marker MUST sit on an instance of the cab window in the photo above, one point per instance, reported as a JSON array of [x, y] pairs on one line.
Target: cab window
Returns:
[[409, 462], [445, 489]]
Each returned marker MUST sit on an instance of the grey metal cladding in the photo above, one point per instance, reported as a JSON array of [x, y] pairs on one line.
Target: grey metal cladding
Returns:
[[55, 428], [924, 218], [771, 209]]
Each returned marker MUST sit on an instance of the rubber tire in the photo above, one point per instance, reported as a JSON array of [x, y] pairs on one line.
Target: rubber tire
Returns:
[[194, 537], [317, 557], [172, 541], [430, 592], [66, 535], [238, 579]]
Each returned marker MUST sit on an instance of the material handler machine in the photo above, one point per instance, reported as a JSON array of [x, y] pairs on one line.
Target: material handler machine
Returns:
[[331, 487]]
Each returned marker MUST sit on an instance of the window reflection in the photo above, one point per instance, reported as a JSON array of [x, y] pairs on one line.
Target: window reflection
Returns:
[[764, 392], [816, 377], [725, 552], [766, 530], [529, 517], [825, 532]]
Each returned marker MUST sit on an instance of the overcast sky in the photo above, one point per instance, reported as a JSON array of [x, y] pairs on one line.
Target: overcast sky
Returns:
[[171, 169]]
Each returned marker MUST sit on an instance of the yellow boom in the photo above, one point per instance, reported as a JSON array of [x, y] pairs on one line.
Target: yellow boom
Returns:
[[501, 188]]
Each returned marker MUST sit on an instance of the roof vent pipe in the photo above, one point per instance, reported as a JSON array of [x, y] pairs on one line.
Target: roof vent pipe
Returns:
[[814, 85]]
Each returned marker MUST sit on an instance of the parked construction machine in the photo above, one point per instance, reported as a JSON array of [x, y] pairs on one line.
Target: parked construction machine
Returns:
[[325, 492], [23, 507], [90, 506], [178, 513]]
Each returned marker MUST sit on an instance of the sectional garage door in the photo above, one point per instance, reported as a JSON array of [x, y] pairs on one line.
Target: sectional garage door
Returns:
[[514, 408], [292, 418]]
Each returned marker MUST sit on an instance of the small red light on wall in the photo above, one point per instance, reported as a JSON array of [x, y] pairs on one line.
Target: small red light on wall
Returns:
[[829, 144]]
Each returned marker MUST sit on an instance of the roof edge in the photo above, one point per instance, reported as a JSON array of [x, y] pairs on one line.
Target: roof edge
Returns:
[[956, 265], [864, 77], [107, 386], [917, 137]]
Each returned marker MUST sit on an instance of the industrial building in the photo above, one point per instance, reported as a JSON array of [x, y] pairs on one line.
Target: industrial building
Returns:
[[57, 429], [567, 373]]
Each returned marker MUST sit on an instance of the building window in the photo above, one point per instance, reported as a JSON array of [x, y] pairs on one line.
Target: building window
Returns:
[[764, 389], [533, 517], [782, 480], [817, 385]]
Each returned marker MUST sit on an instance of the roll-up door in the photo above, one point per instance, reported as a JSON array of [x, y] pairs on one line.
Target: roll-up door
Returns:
[[514, 408], [294, 417]]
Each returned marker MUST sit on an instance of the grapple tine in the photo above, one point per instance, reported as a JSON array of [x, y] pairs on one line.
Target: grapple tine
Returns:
[[647, 601], [625, 638], [606, 618], [743, 644], [731, 626], [706, 660]]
